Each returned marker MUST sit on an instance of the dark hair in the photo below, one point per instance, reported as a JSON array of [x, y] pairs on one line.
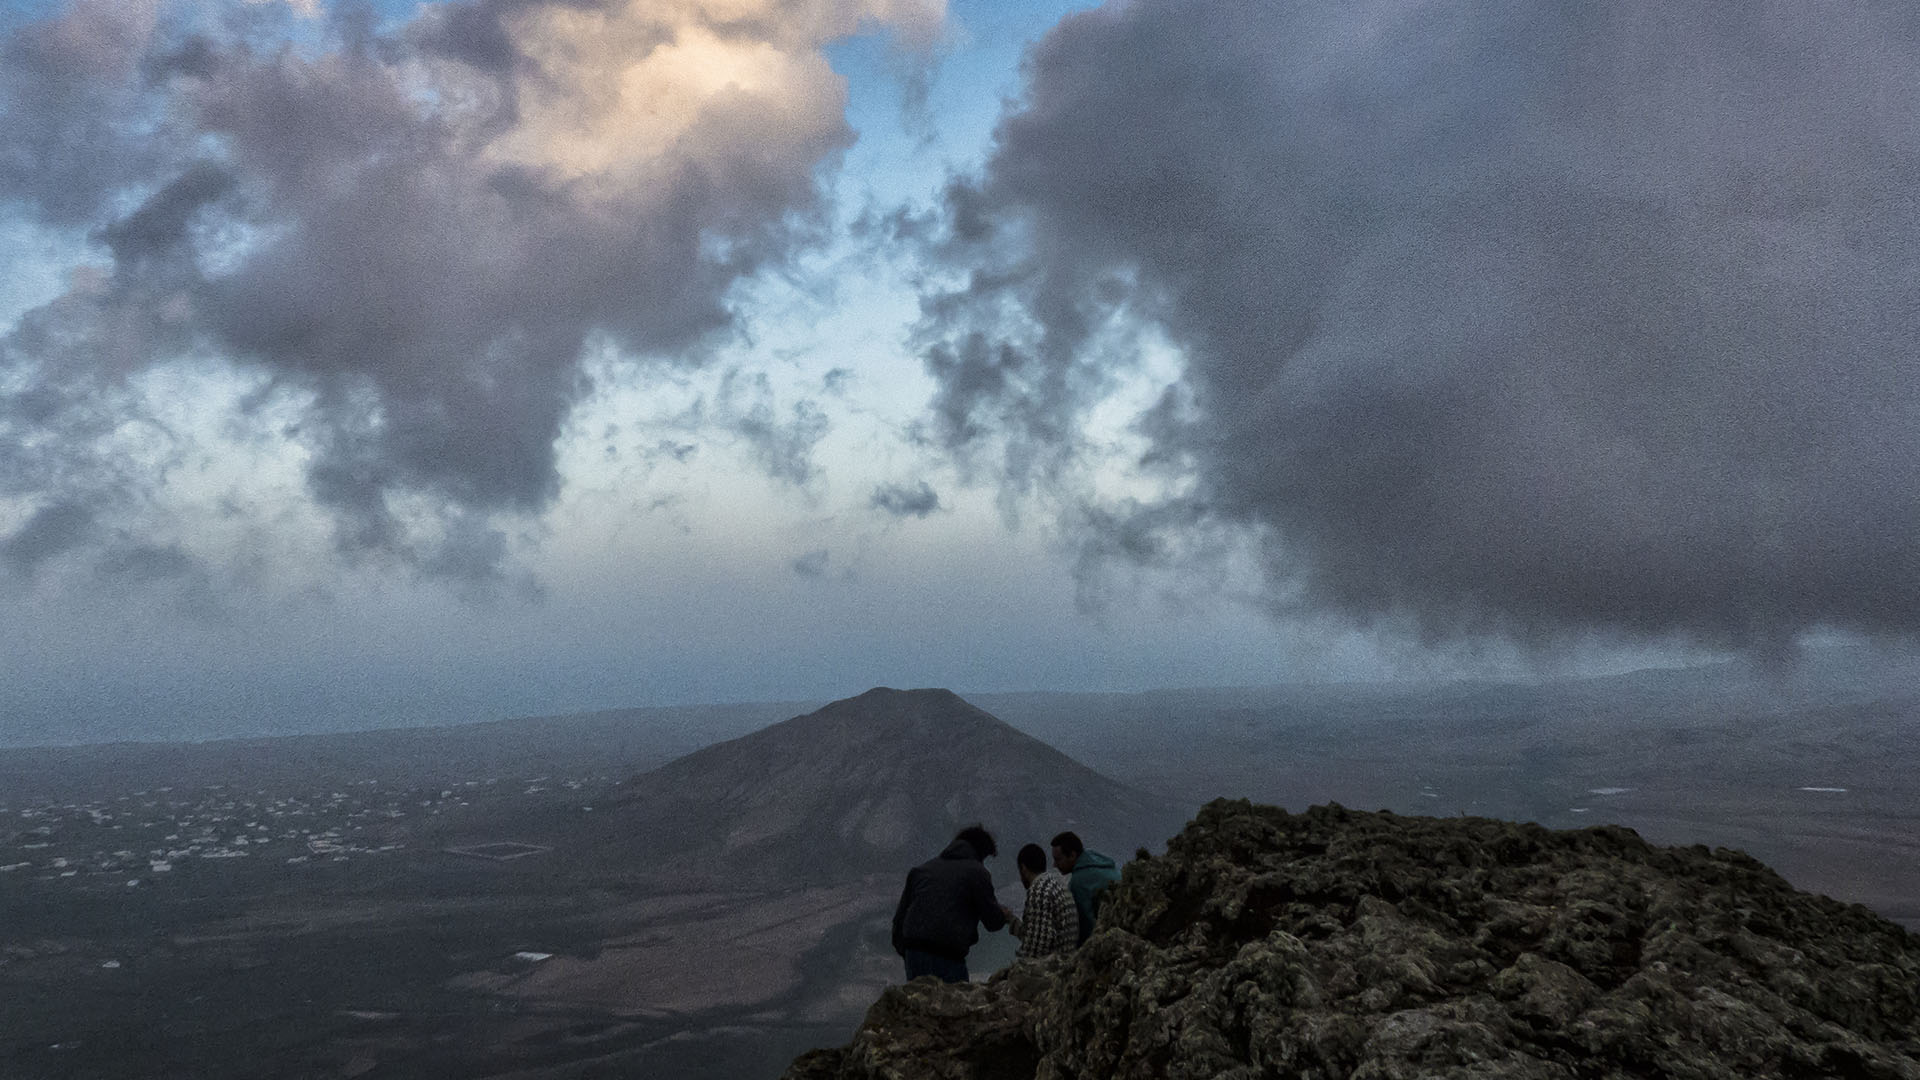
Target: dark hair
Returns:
[[1069, 843], [980, 840], [1033, 858]]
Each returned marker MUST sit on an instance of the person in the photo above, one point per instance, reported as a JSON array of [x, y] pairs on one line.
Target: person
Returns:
[[1088, 874], [1047, 923], [935, 922]]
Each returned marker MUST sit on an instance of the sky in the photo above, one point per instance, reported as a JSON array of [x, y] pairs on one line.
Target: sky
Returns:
[[393, 363]]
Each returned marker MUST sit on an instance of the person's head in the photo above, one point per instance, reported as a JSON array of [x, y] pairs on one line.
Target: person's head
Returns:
[[1032, 861], [1066, 851], [980, 840]]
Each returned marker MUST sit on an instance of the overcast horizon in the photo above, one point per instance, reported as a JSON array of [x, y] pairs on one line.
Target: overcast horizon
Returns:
[[375, 363]]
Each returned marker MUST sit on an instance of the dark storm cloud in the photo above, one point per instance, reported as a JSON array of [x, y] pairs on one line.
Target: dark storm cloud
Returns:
[[470, 33], [69, 90], [410, 237], [1522, 319], [159, 228], [902, 500]]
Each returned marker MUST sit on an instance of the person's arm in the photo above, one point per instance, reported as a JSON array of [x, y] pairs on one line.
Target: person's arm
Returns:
[[1027, 931], [985, 904], [900, 916]]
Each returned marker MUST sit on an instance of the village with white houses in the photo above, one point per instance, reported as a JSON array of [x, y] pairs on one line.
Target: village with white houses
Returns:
[[141, 837]]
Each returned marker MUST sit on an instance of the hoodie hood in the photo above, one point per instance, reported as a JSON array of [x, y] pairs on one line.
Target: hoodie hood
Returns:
[[1091, 860]]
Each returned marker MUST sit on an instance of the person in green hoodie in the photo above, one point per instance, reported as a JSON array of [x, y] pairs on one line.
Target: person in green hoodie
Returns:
[[1088, 875]]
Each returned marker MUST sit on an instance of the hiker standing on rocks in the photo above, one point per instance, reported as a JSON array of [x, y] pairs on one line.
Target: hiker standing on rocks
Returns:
[[935, 922], [1088, 873], [1048, 923]]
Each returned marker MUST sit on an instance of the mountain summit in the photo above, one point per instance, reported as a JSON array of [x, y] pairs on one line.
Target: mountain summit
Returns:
[[1343, 944], [876, 781]]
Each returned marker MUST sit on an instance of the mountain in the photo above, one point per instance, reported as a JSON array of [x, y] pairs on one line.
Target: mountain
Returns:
[[1337, 943], [871, 783]]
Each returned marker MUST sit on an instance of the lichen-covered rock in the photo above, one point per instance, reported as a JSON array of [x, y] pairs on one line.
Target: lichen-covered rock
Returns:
[[928, 1029], [1335, 943]]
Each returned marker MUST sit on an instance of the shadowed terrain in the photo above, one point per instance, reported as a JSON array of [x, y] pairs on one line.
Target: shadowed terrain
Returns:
[[302, 905], [334, 916]]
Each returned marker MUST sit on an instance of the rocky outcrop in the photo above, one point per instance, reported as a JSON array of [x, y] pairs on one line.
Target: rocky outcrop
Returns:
[[1336, 943]]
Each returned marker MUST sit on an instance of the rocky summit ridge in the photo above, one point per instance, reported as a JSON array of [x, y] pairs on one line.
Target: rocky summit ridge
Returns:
[[1337, 943]]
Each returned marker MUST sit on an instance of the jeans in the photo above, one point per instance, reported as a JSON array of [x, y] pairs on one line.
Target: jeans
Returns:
[[925, 963]]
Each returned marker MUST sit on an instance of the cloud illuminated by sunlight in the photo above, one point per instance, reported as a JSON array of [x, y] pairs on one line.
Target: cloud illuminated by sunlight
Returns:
[[408, 235]]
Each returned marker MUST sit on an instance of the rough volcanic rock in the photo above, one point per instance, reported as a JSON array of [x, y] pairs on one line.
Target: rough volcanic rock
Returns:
[[1336, 943]]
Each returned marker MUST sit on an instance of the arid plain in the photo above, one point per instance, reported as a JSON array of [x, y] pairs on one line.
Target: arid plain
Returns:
[[301, 908]]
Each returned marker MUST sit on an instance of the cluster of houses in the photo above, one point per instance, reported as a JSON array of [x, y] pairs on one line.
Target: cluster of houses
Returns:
[[137, 838]]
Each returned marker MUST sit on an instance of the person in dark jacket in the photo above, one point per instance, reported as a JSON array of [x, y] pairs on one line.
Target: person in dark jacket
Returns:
[[1089, 874], [946, 898]]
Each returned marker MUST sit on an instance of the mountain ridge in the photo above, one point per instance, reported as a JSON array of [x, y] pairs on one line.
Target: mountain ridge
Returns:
[[1339, 943]]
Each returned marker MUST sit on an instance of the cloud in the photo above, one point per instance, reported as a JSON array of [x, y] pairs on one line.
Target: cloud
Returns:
[[1531, 322], [145, 563], [51, 531], [782, 447], [307, 8], [680, 452], [813, 564], [900, 500], [409, 236]]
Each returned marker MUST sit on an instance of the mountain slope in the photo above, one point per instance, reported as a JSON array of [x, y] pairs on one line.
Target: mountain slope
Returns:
[[870, 783]]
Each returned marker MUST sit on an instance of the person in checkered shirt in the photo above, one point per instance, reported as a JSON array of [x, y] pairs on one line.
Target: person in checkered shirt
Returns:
[[1048, 924]]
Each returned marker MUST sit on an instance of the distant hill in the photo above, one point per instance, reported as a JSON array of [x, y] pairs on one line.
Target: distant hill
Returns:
[[873, 782]]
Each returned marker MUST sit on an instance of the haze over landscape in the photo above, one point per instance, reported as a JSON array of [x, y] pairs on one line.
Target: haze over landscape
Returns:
[[520, 519]]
